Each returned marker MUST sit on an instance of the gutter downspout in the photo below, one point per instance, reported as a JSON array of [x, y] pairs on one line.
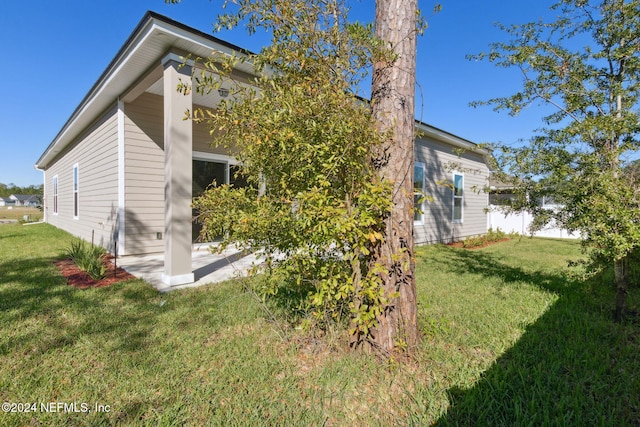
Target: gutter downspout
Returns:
[[44, 195]]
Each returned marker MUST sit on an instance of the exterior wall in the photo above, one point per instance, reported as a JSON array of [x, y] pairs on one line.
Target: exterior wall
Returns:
[[441, 160], [96, 154], [144, 175], [144, 172]]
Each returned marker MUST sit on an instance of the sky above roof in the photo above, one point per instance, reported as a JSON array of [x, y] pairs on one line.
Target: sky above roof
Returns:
[[53, 52]]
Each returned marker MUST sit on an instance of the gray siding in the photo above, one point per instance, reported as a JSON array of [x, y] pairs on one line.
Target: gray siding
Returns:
[[144, 172], [441, 160], [144, 175], [202, 140], [96, 153]]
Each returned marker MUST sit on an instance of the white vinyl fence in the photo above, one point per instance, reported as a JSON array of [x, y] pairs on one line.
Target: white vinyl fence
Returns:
[[519, 223]]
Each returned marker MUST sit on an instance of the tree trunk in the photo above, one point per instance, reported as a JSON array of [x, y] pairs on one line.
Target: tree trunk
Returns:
[[622, 283], [393, 101]]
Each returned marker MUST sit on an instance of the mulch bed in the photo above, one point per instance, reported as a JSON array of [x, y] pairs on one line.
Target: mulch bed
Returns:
[[80, 279], [460, 244]]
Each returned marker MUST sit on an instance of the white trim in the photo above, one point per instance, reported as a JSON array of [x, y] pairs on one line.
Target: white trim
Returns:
[[424, 178], [55, 197], [456, 141], [201, 155], [453, 199], [93, 96], [44, 196], [121, 179], [217, 158], [159, 27], [75, 189], [180, 279]]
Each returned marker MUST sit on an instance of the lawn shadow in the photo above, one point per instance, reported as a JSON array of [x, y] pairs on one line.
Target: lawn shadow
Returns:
[[573, 366], [32, 291]]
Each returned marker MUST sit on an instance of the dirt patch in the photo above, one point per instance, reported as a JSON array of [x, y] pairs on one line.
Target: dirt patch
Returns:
[[80, 279]]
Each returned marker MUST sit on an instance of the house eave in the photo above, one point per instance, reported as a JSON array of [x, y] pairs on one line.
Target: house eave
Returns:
[[154, 35], [449, 138]]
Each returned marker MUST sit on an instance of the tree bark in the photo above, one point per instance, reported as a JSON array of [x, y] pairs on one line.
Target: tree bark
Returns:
[[620, 268], [393, 108]]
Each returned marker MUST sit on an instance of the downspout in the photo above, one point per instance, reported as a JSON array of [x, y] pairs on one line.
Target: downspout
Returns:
[[44, 194], [120, 217]]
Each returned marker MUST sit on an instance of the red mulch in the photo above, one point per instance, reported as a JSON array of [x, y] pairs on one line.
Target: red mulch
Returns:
[[460, 244], [79, 279]]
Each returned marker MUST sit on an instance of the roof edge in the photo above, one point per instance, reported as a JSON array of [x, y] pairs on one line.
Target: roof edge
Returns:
[[450, 138], [148, 19]]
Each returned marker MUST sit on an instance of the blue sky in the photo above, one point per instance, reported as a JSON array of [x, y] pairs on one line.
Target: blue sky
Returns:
[[54, 51]]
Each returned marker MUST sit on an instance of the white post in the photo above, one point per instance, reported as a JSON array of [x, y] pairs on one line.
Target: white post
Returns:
[[178, 174]]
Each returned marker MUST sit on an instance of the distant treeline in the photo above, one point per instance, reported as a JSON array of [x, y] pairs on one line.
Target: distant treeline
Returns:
[[8, 189]]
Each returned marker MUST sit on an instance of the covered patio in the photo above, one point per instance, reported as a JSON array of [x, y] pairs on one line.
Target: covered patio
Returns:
[[207, 267]]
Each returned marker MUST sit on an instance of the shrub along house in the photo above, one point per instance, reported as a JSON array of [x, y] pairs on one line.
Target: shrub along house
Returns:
[[125, 165]]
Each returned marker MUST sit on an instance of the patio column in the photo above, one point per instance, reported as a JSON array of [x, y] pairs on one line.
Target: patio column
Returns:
[[177, 174]]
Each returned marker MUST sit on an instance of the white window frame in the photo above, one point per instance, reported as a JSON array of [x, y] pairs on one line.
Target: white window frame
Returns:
[[423, 166], [454, 197], [75, 190], [218, 158], [54, 182]]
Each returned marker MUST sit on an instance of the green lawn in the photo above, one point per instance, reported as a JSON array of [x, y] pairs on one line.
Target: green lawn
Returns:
[[511, 337]]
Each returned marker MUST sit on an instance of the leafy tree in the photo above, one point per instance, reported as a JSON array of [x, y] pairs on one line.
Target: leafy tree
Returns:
[[320, 201], [585, 64], [8, 189]]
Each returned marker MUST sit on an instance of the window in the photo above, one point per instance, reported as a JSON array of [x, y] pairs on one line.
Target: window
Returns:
[[205, 173], [55, 195], [458, 196], [76, 207], [418, 191], [207, 169]]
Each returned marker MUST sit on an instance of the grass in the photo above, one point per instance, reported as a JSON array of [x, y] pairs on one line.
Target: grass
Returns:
[[18, 213], [511, 337], [525, 341]]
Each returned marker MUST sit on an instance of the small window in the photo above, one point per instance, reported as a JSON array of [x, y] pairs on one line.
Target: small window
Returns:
[[418, 191], [55, 195], [458, 196], [76, 196]]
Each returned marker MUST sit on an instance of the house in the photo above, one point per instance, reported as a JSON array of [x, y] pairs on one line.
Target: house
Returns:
[[125, 165], [5, 201], [26, 200]]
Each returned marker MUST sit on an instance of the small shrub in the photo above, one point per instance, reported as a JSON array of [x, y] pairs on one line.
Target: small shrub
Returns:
[[496, 235], [474, 242], [492, 236], [88, 258]]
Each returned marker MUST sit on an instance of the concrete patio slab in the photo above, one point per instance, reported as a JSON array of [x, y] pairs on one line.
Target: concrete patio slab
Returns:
[[207, 267]]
